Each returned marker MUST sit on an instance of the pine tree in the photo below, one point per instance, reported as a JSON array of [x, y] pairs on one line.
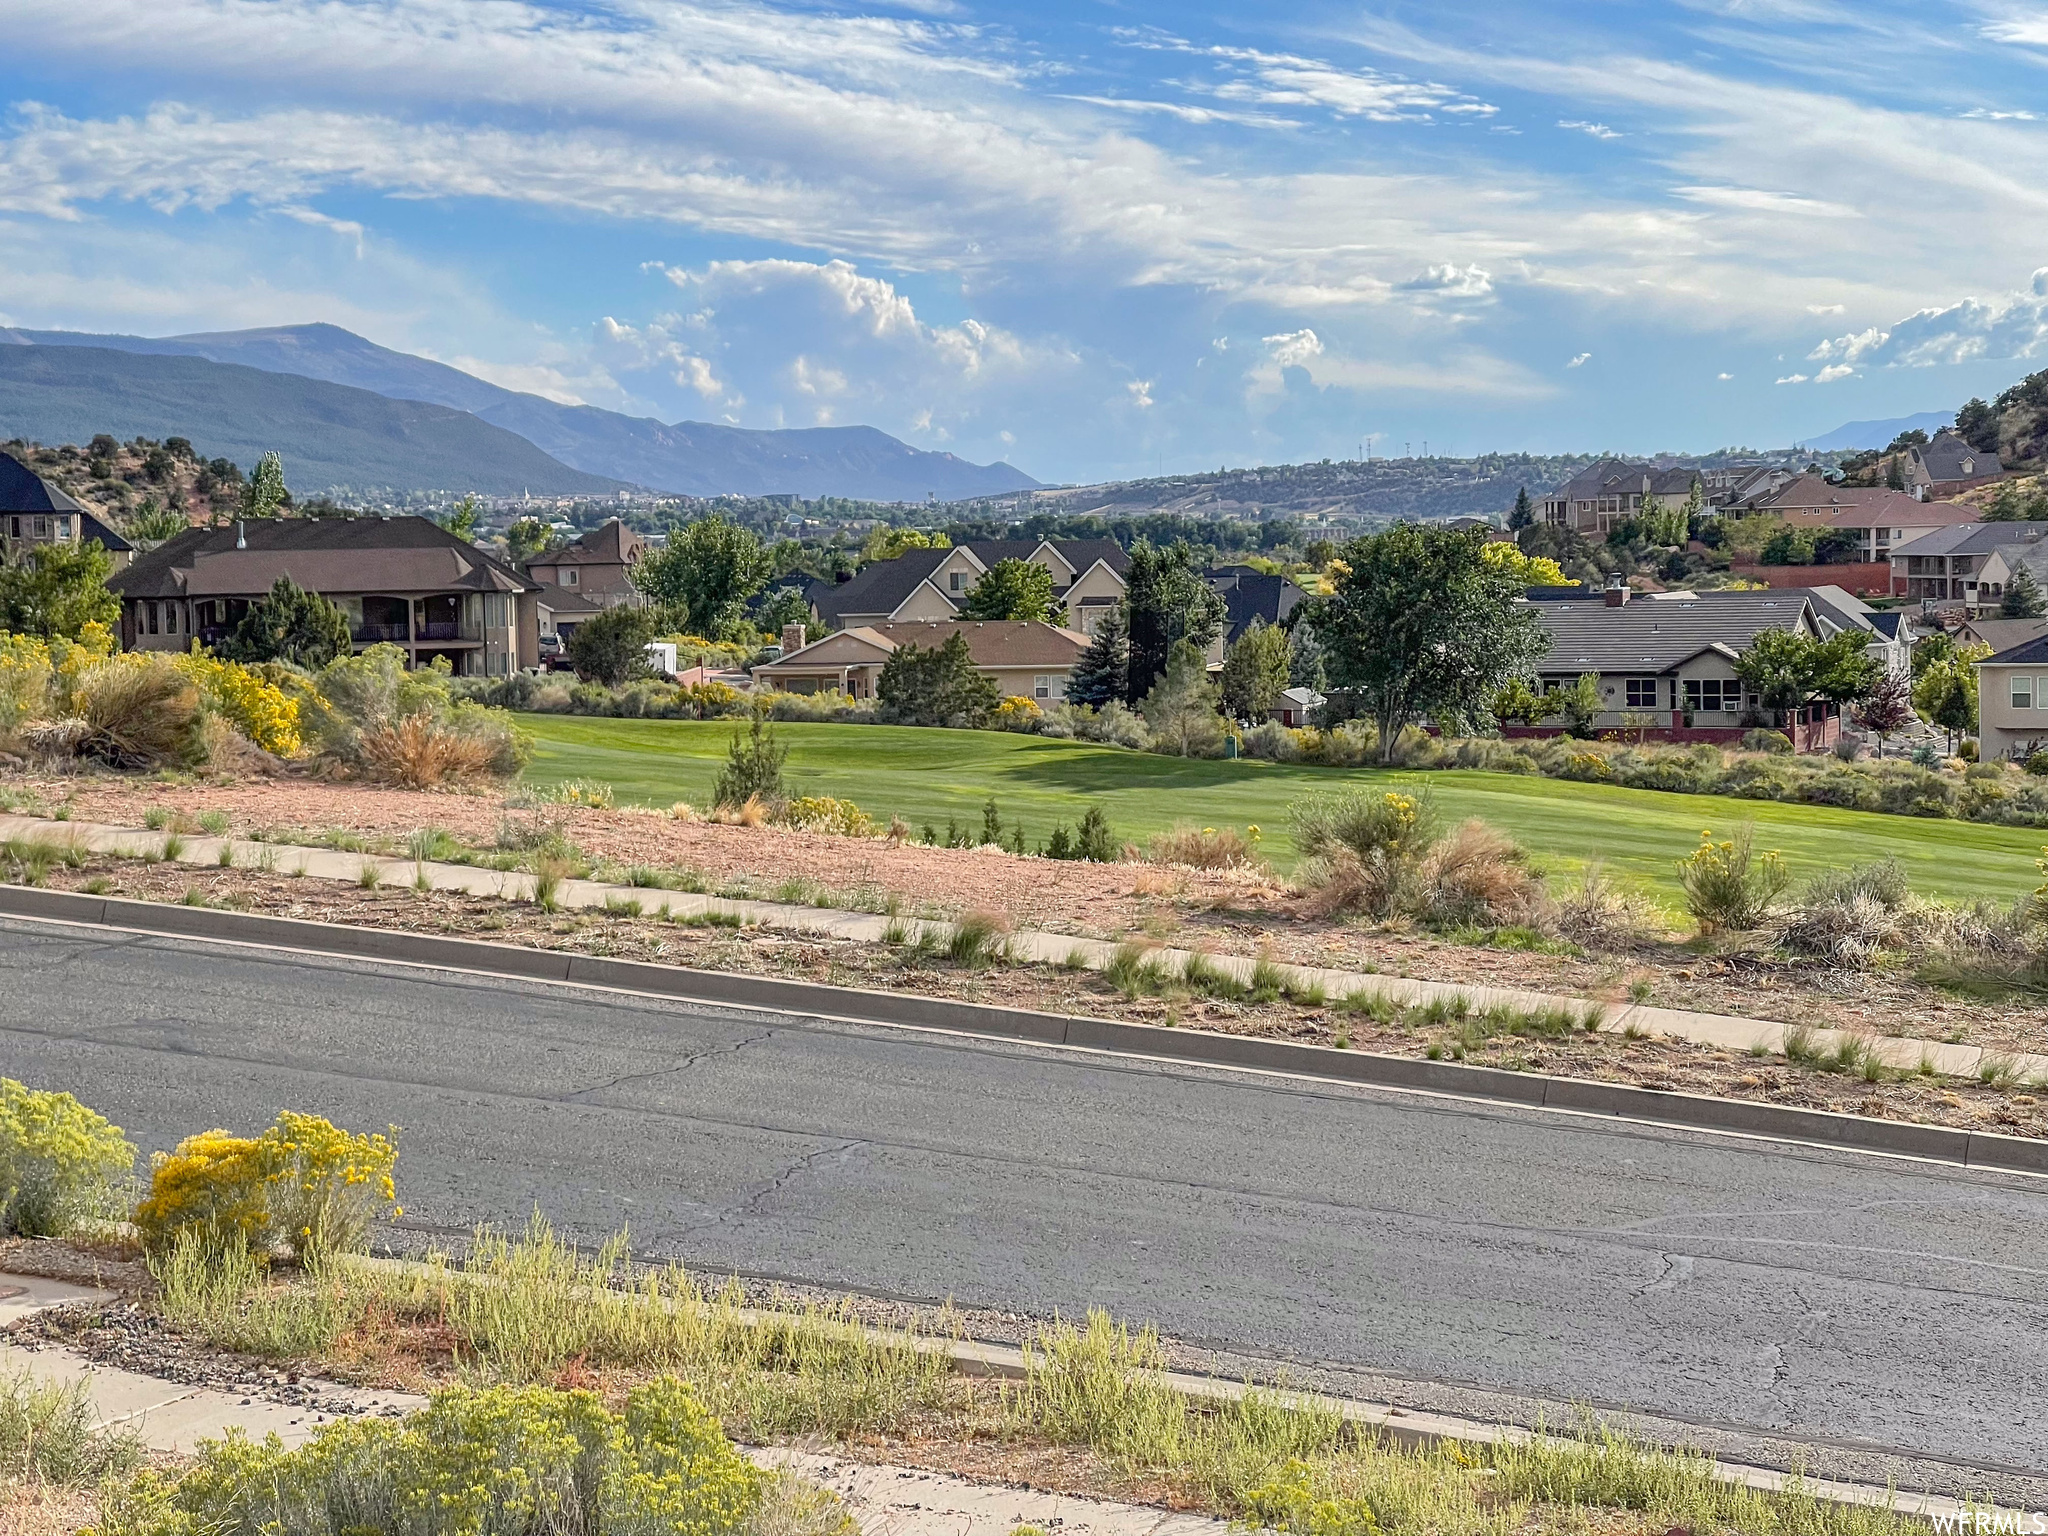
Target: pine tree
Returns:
[[291, 624], [1103, 670], [1524, 514], [2022, 599]]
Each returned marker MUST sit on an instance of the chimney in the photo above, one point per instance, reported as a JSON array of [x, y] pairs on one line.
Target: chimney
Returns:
[[792, 638], [1617, 591], [241, 534]]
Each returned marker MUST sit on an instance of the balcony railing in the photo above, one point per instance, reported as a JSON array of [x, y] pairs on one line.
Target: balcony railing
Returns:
[[370, 634], [448, 631]]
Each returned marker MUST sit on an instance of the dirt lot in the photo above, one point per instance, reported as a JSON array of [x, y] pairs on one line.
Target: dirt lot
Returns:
[[1654, 1063], [1230, 912]]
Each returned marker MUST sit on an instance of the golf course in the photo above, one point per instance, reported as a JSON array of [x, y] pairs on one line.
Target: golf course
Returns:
[[931, 777]]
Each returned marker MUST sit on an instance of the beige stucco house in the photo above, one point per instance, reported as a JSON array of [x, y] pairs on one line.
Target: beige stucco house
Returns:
[[932, 584], [2012, 702], [1027, 660]]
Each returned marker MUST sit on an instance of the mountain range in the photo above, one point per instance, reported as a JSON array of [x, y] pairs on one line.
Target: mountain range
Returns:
[[1856, 436], [64, 386]]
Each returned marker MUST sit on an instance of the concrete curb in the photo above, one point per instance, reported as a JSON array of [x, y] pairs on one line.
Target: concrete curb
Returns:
[[1970, 1149]]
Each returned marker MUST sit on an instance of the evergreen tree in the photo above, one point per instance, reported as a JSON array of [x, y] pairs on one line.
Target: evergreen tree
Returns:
[[265, 492], [1306, 665], [936, 685], [1524, 514], [611, 647], [753, 767], [1181, 706], [291, 624], [1103, 671], [2022, 599]]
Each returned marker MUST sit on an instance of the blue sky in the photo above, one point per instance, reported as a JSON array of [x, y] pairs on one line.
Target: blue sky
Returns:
[[1094, 237]]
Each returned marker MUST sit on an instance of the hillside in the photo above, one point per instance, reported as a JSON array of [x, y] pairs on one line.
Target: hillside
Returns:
[[334, 439], [1863, 436], [1378, 489], [685, 458]]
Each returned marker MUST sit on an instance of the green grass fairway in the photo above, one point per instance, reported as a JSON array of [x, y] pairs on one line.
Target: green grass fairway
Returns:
[[931, 776]]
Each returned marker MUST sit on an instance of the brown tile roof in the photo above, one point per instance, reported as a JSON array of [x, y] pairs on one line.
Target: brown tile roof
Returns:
[[364, 554]]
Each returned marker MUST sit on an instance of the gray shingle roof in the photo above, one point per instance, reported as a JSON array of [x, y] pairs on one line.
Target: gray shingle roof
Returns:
[[1974, 538], [23, 490], [1948, 457], [1657, 634], [2027, 653], [878, 587]]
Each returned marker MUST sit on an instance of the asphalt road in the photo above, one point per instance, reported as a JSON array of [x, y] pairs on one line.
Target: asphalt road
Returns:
[[1809, 1294]]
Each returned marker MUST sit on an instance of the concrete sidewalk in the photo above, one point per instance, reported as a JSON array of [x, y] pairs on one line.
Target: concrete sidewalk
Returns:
[[1726, 1031], [172, 1418]]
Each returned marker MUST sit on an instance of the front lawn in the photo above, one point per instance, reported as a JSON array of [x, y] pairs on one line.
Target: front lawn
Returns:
[[931, 777]]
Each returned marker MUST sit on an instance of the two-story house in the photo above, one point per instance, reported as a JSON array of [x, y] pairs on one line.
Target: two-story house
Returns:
[[1968, 566], [1948, 466], [1027, 659], [932, 584], [33, 511], [1598, 497], [2012, 701], [401, 580]]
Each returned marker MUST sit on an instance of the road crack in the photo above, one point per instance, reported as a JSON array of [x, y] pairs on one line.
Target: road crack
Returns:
[[682, 1064]]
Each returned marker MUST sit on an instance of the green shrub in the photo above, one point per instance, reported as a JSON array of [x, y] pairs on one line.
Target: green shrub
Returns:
[[501, 1461], [1774, 742], [753, 767], [59, 1161], [52, 1434], [1729, 886]]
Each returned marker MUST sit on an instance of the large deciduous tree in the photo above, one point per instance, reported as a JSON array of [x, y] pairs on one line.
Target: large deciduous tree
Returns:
[[1420, 624], [611, 647], [1787, 670], [1011, 589], [704, 576], [265, 495], [1167, 601], [291, 624], [1255, 671], [57, 589]]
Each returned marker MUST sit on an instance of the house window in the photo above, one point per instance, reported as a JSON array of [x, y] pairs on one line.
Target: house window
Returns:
[[1045, 686], [16, 527], [2022, 693], [959, 580], [569, 577], [1713, 695], [63, 527], [150, 608], [1642, 693], [170, 618], [42, 527]]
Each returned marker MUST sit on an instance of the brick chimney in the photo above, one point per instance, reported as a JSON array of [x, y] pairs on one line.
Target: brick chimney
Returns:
[[792, 638], [1617, 591]]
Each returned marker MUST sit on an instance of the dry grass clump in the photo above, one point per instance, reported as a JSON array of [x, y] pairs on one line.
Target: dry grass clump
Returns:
[[1206, 848], [1476, 875], [1851, 916], [139, 713], [1599, 913], [1386, 854], [420, 752], [750, 812]]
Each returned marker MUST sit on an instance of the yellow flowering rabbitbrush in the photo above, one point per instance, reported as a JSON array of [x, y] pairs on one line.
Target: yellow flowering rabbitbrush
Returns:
[[304, 1184], [498, 1461], [58, 1161]]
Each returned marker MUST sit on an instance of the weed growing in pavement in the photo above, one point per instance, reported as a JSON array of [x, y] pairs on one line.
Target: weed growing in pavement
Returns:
[[421, 882], [1268, 982], [1136, 971], [617, 906], [215, 823], [98, 885], [174, 846], [224, 855], [369, 874], [1997, 1071], [156, 817], [1797, 1045], [547, 886], [647, 877], [1203, 974], [432, 845]]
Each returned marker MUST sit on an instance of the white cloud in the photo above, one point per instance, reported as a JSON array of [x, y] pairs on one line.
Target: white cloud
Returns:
[[1294, 348], [1591, 130], [1724, 377], [2013, 325], [1794, 378], [1580, 360], [1826, 309], [1140, 391], [1834, 371], [1451, 281]]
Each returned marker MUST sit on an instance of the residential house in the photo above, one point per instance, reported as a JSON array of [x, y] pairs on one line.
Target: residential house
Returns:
[[2012, 701], [33, 511], [1296, 706], [1888, 639], [2000, 634], [1597, 498], [596, 569], [1740, 485], [401, 580], [1666, 661], [1027, 659], [1879, 518], [1249, 593], [1948, 466], [1967, 566], [932, 584]]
